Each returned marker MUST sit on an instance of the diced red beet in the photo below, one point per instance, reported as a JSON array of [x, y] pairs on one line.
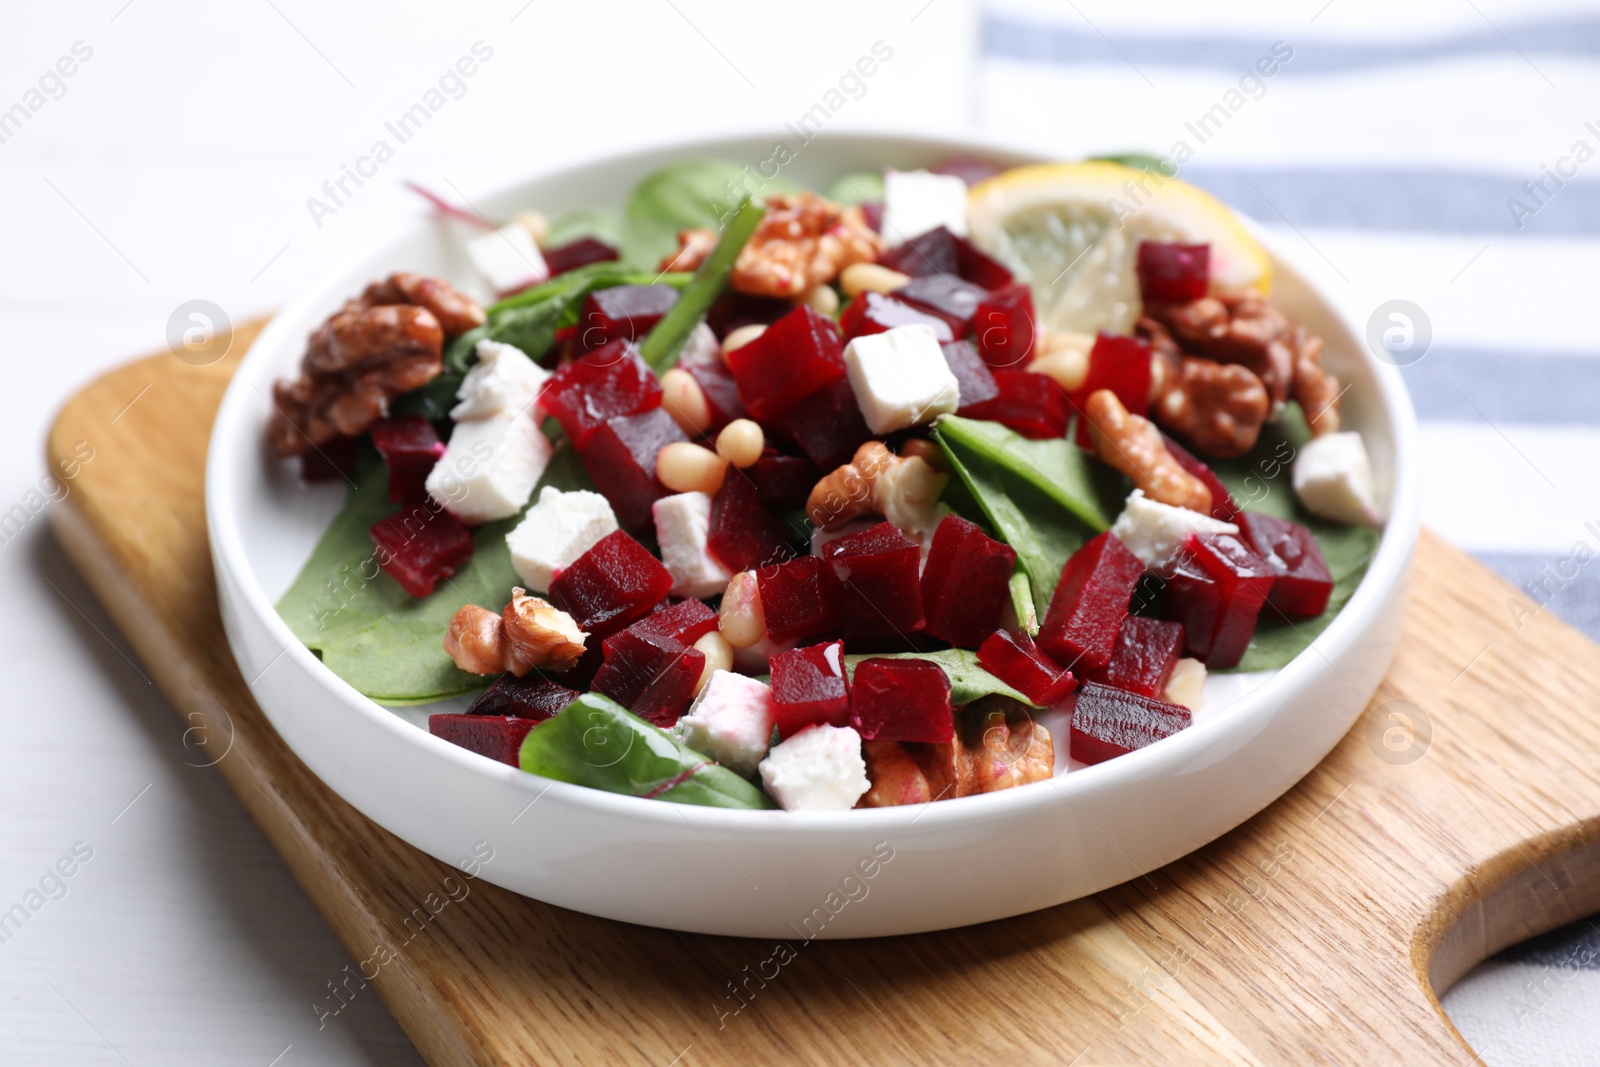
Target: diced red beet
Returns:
[[1303, 582], [799, 354], [1031, 404], [809, 688], [901, 700], [1171, 273], [1223, 506], [1003, 326], [1145, 653], [1120, 364], [744, 533], [609, 586], [941, 252], [1088, 607], [878, 588], [980, 269], [621, 458], [651, 675], [1109, 722], [575, 254], [409, 447], [797, 598], [621, 313], [784, 481], [331, 461], [1012, 657], [1216, 591], [685, 622], [951, 299], [973, 376], [877, 312], [497, 736], [965, 583], [721, 392], [734, 309], [532, 697], [603, 384], [969, 169], [827, 425], [420, 546]]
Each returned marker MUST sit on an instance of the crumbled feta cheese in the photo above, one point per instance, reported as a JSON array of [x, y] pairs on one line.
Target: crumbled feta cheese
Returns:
[[503, 379], [1333, 479], [1153, 531], [731, 721], [818, 769], [1187, 684], [490, 467], [555, 532], [916, 201], [701, 348], [683, 523], [900, 378], [508, 259]]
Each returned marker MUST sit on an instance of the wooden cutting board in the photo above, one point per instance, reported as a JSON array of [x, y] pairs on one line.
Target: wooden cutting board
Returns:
[[1461, 814]]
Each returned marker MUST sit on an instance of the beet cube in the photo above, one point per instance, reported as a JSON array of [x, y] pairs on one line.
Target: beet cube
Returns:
[[531, 697], [797, 598], [950, 298], [734, 309], [497, 736], [809, 688], [1012, 657], [420, 546], [976, 382], [605, 383], [651, 675], [685, 622], [878, 588], [744, 534], [876, 313], [1171, 273], [1303, 583], [1088, 607], [612, 584], [1108, 722], [980, 269], [1031, 404], [1003, 326], [799, 354], [621, 458], [575, 254], [721, 392], [622, 313], [1145, 653], [965, 583], [1216, 591], [785, 481], [409, 447], [827, 425], [941, 252], [901, 700], [1120, 364], [331, 461], [1223, 506]]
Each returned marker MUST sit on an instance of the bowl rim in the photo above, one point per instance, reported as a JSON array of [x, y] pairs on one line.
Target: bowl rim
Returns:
[[232, 431]]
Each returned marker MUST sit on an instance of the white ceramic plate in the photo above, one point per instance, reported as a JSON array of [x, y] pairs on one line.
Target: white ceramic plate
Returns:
[[778, 874]]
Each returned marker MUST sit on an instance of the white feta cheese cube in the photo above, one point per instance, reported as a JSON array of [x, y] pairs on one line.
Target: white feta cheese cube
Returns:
[[555, 532], [503, 379], [683, 523], [916, 201], [900, 378], [731, 721], [490, 467], [508, 259], [1333, 479], [818, 769], [1153, 531], [1187, 684]]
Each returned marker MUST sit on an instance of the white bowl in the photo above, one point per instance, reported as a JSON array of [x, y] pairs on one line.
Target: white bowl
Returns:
[[779, 874]]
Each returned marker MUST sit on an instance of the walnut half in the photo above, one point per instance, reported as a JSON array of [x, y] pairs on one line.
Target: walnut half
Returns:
[[802, 241], [529, 633]]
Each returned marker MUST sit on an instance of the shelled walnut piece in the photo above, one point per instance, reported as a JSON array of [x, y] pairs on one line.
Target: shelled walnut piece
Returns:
[[903, 489], [802, 241], [529, 633], [1133, 445], [998, 746], [387, 341], [1219, 407]]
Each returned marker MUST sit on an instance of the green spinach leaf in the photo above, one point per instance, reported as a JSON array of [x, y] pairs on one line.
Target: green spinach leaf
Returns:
[[692, 194], [857, 187], [1089, 489], [602, 224], [968, 679]]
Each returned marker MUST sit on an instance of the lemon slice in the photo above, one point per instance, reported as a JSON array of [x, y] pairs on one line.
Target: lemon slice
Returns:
[[1072, 232]]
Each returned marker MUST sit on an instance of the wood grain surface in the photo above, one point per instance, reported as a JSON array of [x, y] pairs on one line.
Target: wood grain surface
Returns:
[[1461, 814]]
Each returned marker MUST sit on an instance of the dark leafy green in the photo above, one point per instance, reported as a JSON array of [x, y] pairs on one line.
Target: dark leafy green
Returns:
[[857, 187], [602, 224], [595, 741], [661, 346], [692, 194], [385, 643], [1089, 489], [968, 679]]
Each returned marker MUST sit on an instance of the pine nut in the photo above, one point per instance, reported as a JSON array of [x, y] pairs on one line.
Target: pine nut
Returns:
[[741, 337], [741, 442], [821, 299], [719, 657], [684, 467], [860, 278], [685, 401], [742, 622]]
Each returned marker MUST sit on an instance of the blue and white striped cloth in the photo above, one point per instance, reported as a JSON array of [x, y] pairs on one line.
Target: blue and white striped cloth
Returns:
[[1447, 154]]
